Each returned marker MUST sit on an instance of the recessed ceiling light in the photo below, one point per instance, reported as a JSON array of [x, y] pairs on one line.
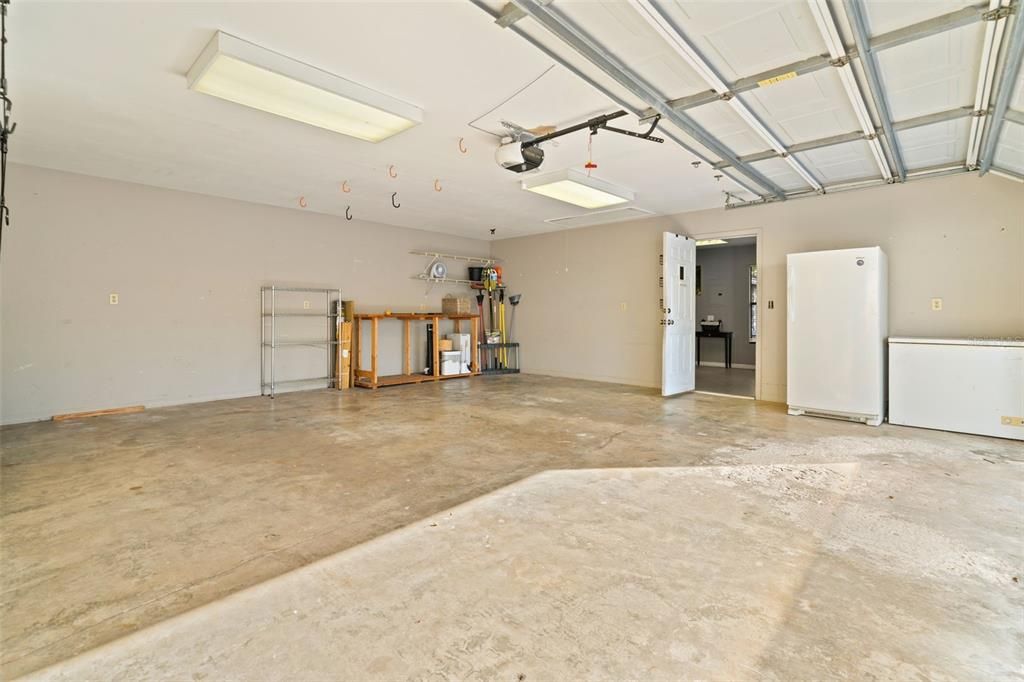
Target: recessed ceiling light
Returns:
[[710, 242], [241, 72], [579, 189]]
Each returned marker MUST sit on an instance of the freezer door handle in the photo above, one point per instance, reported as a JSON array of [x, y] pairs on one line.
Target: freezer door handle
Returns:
[[790, 303]]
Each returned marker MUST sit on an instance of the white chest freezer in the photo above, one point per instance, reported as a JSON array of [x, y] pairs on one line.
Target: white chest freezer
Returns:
[[966, 385]]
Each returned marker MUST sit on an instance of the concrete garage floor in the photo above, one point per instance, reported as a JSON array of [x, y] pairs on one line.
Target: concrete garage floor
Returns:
[[507, 527], [732, 381]]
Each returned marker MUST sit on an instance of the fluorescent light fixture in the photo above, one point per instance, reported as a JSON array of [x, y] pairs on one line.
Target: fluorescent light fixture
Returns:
[[578, 189], [710, 242], [244, 73]]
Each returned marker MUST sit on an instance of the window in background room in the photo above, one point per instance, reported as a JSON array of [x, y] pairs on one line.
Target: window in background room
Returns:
[[753, 303]]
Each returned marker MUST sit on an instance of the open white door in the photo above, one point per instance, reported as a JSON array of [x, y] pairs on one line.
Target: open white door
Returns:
[[678, 273]]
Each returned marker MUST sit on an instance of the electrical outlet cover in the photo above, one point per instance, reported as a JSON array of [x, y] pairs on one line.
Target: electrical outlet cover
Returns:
[[114, 298], [936, 304]]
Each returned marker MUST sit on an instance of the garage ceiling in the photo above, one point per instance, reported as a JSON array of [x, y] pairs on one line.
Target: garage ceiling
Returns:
[[100, 89]]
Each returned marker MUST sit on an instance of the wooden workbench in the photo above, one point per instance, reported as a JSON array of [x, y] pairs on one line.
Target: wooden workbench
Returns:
[[370, 378]]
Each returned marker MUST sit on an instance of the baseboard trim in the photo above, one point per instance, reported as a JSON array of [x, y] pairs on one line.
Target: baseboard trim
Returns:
[[735, 365], [726, 395]]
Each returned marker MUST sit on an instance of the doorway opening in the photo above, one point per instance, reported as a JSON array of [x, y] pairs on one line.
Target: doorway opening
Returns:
[[728, 316]]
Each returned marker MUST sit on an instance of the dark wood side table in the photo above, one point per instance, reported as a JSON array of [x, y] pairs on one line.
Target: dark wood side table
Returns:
[[726, 340]]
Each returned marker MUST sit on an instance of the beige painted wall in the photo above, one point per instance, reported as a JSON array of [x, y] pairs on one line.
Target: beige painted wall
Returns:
[[590, 296], [188, 269]]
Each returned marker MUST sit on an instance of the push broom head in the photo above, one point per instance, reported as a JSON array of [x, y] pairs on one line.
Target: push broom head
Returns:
[[514, 299]]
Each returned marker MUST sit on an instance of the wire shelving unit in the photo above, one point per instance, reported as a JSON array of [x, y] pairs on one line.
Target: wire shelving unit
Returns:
[[270, 341]]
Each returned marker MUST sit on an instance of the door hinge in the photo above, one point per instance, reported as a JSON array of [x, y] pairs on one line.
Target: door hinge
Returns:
[[839, 61]]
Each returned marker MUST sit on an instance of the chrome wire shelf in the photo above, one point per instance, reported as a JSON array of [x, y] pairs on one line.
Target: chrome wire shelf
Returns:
[[270, 346]]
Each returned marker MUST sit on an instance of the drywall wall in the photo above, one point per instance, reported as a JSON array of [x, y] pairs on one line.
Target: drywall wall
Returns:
[[590, 296], [188, 270], [725, 294]]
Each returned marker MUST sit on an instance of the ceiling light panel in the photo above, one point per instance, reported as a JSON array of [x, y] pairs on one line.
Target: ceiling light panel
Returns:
[[245, 73], [578, 189], [611, 215]]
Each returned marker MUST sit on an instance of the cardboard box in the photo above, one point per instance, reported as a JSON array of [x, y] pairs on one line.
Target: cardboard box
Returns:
[[445, 345]]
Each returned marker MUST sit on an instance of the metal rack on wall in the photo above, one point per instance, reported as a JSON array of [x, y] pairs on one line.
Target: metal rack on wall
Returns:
[[441, 257], [499, 358], [271, 342]]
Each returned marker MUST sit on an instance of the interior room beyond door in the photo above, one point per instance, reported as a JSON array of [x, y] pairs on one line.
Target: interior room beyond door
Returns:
[[727, 316]]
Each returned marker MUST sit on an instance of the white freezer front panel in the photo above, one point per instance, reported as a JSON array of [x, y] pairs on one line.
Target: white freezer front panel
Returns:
[[836, 327], [957, 385]]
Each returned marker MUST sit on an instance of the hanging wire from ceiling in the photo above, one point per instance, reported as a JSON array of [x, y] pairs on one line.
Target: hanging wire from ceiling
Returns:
[[8, 127], [472, 124]]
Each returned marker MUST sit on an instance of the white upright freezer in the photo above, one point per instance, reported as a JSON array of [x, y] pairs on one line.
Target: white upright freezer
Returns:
[[837, 323]]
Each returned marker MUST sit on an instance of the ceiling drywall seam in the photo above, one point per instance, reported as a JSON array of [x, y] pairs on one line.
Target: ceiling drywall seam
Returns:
[[585, 46], [673, 35], [1007, 80], [858, 21], [740, 182]]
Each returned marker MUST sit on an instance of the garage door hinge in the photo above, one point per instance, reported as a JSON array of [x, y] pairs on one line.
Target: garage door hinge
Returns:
[[997, 14], [872, 136], [839, 61], [978, 113], [726, 96]]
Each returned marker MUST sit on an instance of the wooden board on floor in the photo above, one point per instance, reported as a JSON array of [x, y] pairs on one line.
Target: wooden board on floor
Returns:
[[98, 413]]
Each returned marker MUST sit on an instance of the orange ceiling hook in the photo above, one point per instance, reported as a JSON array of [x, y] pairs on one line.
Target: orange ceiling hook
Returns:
[[302, 202], [437, 185], [345, 188], [392, 173], [462, 146]]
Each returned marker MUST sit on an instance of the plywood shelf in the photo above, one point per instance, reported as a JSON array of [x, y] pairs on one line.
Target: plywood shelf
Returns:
[[414, 316], [401, 379]]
